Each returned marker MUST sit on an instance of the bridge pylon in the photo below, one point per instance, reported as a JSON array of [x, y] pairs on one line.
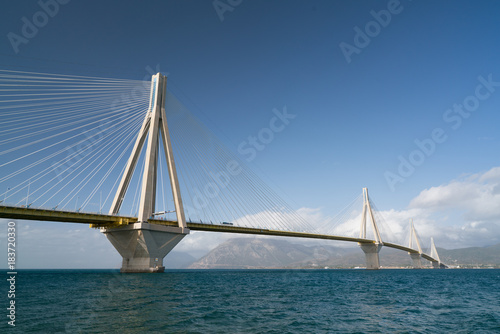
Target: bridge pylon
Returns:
[[415, 256], [434, 254], [142, 245], [371, 249]]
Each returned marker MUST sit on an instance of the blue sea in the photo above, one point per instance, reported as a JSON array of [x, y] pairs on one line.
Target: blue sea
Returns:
[[257, 301]]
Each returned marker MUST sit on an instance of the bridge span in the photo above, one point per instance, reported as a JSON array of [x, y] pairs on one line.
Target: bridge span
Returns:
[[106, 221]]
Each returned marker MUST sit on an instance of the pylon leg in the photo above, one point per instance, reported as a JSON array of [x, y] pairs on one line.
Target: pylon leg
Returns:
[[417, 263], [143, 246], [371, 254]]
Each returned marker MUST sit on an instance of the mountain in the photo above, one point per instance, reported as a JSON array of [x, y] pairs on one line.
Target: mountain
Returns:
[[471, 257], [246, 253], [253, 253]]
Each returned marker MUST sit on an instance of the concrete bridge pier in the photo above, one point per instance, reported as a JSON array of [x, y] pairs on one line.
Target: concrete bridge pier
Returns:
[[371, 254], [143, 246], [435, 265], [416, 259]]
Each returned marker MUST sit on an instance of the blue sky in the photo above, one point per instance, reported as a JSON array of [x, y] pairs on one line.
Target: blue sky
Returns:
[[355, 116]]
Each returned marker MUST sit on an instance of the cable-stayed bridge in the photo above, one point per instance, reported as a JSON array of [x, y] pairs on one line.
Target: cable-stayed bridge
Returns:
[[99, 151]]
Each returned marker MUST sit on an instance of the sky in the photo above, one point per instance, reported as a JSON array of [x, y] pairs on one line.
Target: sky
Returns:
[[402, 97]]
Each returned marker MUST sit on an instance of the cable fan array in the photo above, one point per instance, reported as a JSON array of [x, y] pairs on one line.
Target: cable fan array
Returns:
[[64, 138], [217, 186]]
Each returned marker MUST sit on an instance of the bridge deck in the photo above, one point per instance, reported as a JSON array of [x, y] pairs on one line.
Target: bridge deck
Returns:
[[102, 220], [250, 230]]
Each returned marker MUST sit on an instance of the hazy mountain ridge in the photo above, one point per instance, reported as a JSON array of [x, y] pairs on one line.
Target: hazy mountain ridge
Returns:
[[246, 253], [471, 256], [255, 253]]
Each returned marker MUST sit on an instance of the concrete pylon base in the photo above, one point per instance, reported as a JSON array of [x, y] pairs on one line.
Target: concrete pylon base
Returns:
[[371, 254], [417, 263], [435, 265], [143, 246]]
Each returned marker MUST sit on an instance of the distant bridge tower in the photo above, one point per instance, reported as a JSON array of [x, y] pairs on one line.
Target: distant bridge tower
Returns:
[[371, 249], [434, 254], [142, 245], [416, 257]]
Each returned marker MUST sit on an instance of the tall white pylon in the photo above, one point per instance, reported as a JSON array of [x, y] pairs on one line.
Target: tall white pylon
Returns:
[[367, 210], [371, 250], [143, 245], [416, 257], [435, 255], [154, 123]]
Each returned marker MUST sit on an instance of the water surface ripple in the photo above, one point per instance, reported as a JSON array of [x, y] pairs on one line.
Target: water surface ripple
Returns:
[[259, 301]]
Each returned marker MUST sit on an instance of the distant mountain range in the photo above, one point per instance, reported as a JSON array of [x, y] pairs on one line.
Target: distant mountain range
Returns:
[[257, 253], [472, 256]]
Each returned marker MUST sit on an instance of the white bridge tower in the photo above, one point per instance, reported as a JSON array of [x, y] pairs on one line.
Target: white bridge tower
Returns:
[[371, 249], [415, 257], [143, 245], [434, 254]]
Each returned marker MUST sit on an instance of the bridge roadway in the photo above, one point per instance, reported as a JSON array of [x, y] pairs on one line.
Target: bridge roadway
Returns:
[[97, 220]]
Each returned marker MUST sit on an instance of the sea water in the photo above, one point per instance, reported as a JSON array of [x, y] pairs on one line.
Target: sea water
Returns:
[[257, 301]]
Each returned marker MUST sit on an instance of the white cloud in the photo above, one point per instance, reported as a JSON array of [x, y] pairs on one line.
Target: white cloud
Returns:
[[477, 196], [464, 212]]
